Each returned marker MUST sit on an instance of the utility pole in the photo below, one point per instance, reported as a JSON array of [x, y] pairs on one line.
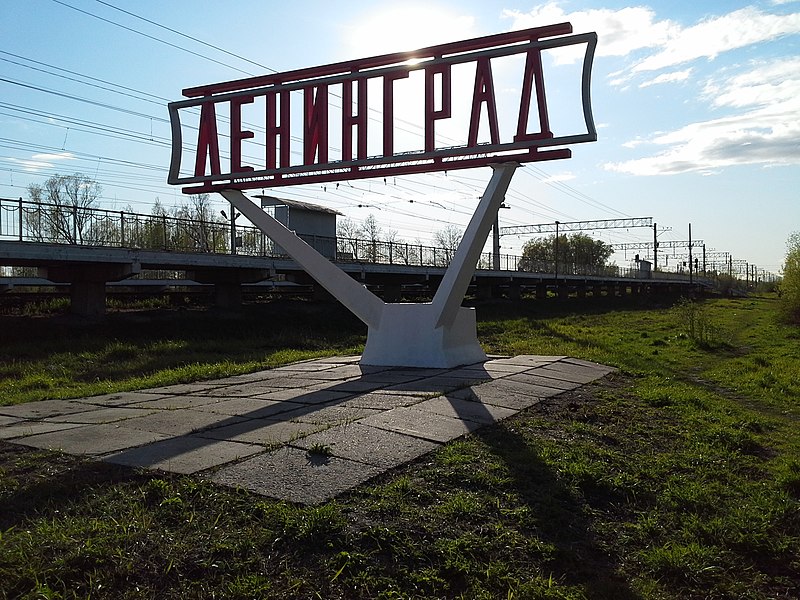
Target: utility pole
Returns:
[[704, 261], [495, 243], [233, 228], [556, 251], [690, 254], [655, 247]]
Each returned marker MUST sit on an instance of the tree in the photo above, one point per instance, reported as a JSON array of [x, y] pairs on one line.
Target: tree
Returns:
[[577, 254], [371, 231], [347, 232], [790, 285], [198, 226], [64, 211], [448, 240], [155, 233]]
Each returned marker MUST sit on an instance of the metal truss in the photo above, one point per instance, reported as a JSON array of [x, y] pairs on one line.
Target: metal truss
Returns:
[[559, 226]]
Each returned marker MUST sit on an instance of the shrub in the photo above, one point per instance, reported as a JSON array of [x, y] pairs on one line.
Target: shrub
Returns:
[[790, 286]]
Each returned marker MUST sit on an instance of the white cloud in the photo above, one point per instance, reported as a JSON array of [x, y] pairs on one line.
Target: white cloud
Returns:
[[39, 162], [716, 35], [673, 77], [628, 30], [51, 156], [767, 83], [619, 32], [765, 131], [761, 136]]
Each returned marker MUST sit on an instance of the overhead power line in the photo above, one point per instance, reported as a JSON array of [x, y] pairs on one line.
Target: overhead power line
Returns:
[[151, 37], [187, 36]]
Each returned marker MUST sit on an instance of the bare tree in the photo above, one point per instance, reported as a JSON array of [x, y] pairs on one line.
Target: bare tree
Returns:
[[64, 211], [371, 232], [448, 240], [347, 232], [199, 227]]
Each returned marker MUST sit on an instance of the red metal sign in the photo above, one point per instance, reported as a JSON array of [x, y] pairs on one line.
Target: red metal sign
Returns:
[[338, 122]]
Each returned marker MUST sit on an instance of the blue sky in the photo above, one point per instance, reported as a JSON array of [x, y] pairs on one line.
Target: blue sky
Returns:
[[697, 106]]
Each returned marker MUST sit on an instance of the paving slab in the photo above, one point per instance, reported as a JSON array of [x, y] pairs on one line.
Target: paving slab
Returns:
[[329, 415], [180, 422], [241, 390], [466, 409], [250, 408], [365, 444], [22, 429], [341, 360], [532, 359], [188, 388], [525, 387], [294, 475], [119, 398], [186, 454], [307, 366], [100, 414], [421, 424], [91, 439], [472, 374], [176, 402], [605, 369], [264, 432], [388, 377], [4, 420], [536, 378], [438, 384], [502, 368], [354, 386], [342, 372], [312, 397], [44, 409], [570, 372], [502, 397], [381, 401]]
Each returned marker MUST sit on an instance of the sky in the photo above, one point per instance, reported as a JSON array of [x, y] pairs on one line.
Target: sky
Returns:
[[697, 107]]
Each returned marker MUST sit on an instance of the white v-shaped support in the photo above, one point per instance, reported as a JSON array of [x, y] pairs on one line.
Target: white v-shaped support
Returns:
[[440, 333]]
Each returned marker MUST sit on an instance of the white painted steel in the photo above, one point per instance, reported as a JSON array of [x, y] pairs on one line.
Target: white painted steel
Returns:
[[440, 333]]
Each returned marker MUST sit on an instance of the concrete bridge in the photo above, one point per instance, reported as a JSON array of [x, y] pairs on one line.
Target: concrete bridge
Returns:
[[88, 269]]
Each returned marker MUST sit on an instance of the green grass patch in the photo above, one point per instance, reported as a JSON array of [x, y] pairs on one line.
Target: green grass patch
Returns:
[[65, 357]]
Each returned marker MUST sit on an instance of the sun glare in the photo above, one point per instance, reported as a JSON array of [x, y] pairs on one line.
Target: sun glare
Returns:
[[407, 27]]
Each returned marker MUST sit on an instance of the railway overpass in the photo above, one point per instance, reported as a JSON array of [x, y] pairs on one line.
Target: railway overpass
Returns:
[[87, 270]]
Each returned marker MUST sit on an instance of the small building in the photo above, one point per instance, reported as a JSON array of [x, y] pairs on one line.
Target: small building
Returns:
[[645, 269], [316, 225]]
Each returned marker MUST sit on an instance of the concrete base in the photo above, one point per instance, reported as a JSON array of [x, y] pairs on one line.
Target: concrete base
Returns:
[[88, 298], [407, 336]]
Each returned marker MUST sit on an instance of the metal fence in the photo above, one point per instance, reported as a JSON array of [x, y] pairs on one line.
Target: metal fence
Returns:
[[28, 221]]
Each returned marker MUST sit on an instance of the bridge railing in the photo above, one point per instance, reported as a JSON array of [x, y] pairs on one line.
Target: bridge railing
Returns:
[[28, 221]]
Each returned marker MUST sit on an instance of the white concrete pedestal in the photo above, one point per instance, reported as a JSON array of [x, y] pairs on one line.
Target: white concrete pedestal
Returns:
[[407, 336]]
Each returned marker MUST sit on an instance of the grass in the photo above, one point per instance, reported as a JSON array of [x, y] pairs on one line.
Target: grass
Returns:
[[65, 357], [676, 477]]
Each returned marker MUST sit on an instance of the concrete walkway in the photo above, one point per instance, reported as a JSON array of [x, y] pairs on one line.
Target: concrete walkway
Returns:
[[304, 432]]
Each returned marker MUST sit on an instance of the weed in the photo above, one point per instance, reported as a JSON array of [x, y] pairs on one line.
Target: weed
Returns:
[[320, 449]]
